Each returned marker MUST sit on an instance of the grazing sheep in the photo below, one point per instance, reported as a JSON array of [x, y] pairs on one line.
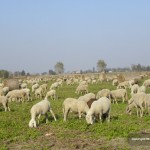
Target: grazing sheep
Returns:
[[39, 92], [137, 100], [23, 85], [134, 89], [123, 85], [44, 87], [87, 97], [18, 95], [103, 93], [40, 108], [4, 102], [81, 89], [119, 93], [34, 87], [52, 94], [74, 105], [142, 89], [100, 107], [54, 86], [147, 102], [146, 83], [115, 82], [5, 90]]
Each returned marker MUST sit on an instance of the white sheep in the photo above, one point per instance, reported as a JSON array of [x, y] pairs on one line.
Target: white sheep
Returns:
[[52, 94], [123, 85], [4, 102], [54, 86], [40, 108], [87, 97], [146, 83], [142, 89], [103, 93], [5, 90], [82, 89], [39, 92], [100, 107], [134, 89], [74, 105], [119, 93], [137, 100], [34, 87]]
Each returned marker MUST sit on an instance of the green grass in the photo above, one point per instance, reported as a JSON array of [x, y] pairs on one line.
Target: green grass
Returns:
[[14, 125]]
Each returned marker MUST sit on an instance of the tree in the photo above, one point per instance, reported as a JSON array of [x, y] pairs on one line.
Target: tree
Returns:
[[101, 65], [59, 68], [51, 72], [23, 73]]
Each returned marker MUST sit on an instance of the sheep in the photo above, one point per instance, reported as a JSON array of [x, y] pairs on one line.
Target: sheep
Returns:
[[115, 82], [52, 94], [4, 101], [118, 93], [100, 107], [5, 90], [44, 87], [82, 88], [34, 87], [103, 93], [146, 83], [16, 94], [23, 85], [26, 93], [141, 89], [72, 104], [39, 92], [147, 102], [40, 108], [87, 97], [124, 85], [54, 86], [134, 89], [137, 100]]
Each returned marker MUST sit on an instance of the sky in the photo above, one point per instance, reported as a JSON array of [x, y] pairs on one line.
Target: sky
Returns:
[[36, 34]]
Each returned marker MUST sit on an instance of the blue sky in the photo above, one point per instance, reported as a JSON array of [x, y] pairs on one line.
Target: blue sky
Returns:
[[35, 34]]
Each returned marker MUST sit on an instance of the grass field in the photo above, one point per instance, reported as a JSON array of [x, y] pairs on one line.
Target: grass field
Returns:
[[72, 134]]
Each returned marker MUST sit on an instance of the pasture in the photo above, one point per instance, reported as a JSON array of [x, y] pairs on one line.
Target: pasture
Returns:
[[74, 133]]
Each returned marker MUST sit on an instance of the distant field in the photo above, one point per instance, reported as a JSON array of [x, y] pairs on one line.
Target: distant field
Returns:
[[72, 134]]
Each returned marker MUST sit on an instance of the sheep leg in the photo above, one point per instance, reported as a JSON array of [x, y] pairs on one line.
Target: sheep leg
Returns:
[[66, 111], [39, 118], [53, 114], [141, 114], [46, 116]]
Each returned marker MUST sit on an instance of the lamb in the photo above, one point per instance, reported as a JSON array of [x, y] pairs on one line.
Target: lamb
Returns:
[[137, 100], [44, 87], [74, 105], [4, 101], [81, 89], [119, 93], [100, 107], [52, 94], [40, 108], [103, 93]]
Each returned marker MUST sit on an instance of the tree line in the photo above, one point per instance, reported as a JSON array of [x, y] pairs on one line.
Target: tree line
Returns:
[[59, 69]]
